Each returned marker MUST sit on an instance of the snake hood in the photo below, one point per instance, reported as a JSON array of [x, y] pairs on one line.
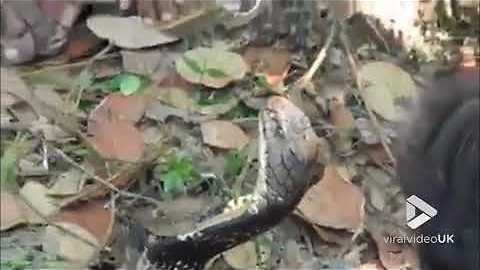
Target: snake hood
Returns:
[[287, 153]]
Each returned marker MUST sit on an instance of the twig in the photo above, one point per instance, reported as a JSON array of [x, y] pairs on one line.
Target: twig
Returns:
[[307, 77], [353, 67], [87, 172], [89, 66], [242, 18], [113, 210], [67, 122], [100, 55], [68, 65], [104, 182], [378, 35], [251, 155]]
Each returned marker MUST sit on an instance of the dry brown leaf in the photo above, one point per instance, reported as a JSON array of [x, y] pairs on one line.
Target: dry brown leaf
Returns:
[[378, 154], [243, 256], [49, 96], [122, 107], [223, 134], [13, 211], [10, 81], [177, 97], [118, 139], [23, 113], [175, 80], [68, 183], [12, 88], [394, 256], [175, 91], [340, 115], [36, 194], [293, 256], [176, 216], [127, 32], [333, 202], [8, 100], [273, 63], [76, 252], [112, 126], [342, 119], [90, 221], [91, 216], [158, 111], [82, 42], [51, 133], [122, 179], [384, 93], [333, 236]]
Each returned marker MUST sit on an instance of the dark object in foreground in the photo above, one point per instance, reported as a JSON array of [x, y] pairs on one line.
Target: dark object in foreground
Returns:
[[288, 151], [439, 163]]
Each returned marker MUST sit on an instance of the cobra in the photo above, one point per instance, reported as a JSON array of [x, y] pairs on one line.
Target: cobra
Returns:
[[291, 159]]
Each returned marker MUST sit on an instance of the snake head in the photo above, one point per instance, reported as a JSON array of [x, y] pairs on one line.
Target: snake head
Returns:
[[286, 122], [288, 150]]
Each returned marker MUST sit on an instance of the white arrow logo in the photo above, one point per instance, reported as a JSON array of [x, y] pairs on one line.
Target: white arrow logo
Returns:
[[428, 212]]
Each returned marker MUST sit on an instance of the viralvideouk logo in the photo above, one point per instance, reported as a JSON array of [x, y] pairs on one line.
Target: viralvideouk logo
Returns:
[[427, 212]]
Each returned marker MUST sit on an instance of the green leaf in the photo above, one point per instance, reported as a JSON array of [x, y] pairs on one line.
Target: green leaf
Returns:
[[16, 264], [115, 82], [262, 82], [173, 182], [129, 84], [8, 168], [126, 83], [8, 162], [215, 73], [177, 174], [241, 111], [211, 67], [193, 65], [234, 163], [86, 105]]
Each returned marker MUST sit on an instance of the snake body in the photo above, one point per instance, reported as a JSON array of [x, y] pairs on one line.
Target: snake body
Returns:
[[288, 151]]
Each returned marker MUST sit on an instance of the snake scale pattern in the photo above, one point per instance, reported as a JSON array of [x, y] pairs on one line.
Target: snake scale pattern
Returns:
[[288, 155]]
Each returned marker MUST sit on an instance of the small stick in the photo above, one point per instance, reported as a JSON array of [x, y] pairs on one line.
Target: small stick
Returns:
[[66, 66], [353, 67], [65, 121], [307, 77], [100, 55], [89, 66], [104, 182], [378, 34]]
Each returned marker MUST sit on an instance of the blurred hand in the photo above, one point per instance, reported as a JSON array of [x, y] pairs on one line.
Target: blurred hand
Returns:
[[152, 10], [35, 28]]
